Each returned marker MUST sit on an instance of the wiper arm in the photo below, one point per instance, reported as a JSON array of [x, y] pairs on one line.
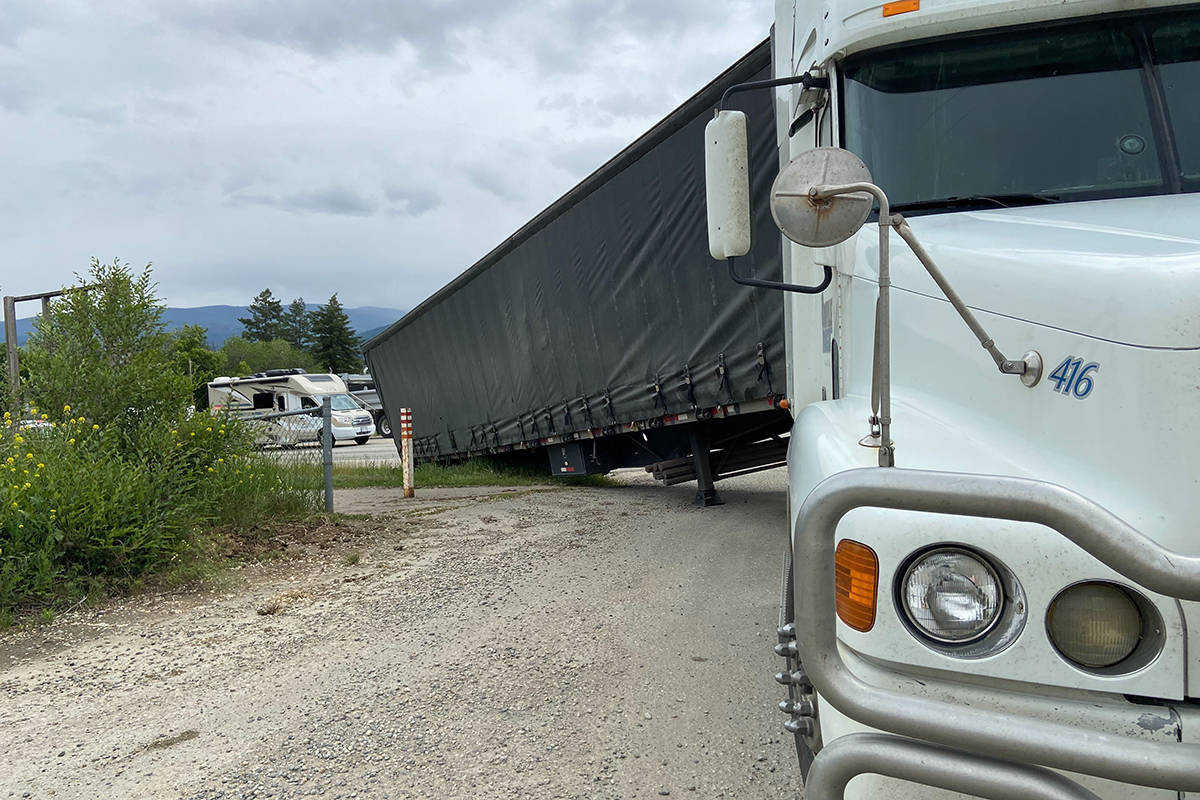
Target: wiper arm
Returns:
[[1000, 200]]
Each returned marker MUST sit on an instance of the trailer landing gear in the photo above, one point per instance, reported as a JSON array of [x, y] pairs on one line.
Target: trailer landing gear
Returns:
[[706, 490]]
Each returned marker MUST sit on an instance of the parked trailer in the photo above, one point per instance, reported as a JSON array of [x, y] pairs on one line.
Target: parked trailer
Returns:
[[599, 333]]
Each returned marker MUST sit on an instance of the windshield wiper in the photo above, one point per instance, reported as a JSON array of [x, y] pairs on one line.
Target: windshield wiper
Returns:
[[999, 200]]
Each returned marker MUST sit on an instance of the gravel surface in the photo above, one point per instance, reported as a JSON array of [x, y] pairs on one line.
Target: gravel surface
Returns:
[[559, 643]]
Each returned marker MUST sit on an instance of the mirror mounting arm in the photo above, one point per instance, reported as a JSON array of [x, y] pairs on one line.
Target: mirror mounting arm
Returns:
[[809, 81], [1029, 367], [783, 287]]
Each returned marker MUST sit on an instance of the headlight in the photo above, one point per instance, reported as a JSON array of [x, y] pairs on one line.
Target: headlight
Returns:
[[951, 595], [341, 419], [1094, 624]]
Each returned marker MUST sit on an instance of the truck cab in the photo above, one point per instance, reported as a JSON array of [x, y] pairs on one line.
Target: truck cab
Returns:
[[995, 574]]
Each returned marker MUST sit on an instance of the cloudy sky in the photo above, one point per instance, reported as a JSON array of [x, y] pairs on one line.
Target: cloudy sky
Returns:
[[373, 148]]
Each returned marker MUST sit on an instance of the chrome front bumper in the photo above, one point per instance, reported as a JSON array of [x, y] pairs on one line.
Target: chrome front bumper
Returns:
[[940, 743]]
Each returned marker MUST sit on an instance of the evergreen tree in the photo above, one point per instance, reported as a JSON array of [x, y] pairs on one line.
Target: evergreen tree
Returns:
[[334, 344], [266, 316], [293, 325]]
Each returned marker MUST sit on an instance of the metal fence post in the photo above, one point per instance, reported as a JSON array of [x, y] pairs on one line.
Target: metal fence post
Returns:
[[327, 449], [10, 346], [406, 450]]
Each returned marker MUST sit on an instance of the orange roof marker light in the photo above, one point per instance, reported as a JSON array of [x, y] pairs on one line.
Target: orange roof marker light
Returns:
[[901, 7], [856, 570]]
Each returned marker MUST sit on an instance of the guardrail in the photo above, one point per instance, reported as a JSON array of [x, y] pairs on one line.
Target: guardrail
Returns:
[[996, 735]]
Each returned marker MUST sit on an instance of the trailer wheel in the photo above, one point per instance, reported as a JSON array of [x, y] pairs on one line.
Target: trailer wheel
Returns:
[[384, 427], [362, 439]]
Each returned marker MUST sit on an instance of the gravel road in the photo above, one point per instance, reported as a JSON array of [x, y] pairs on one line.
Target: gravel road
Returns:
[[558, 643]]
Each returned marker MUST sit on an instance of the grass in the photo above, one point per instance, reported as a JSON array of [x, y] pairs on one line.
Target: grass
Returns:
[[476, 472]]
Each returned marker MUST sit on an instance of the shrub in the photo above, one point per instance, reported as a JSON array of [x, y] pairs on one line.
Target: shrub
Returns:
[[106, 350], [86, 508]]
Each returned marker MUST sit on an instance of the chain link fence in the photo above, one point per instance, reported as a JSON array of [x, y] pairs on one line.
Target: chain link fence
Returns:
[[302, 442]]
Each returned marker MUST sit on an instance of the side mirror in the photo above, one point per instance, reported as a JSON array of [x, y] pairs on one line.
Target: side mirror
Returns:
[[727, 185], [819, 221]]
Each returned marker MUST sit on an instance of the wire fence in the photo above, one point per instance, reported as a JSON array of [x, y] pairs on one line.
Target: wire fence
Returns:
[[301, 441]]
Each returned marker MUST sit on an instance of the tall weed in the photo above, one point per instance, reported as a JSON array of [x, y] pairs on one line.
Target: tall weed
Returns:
[[85, 509]]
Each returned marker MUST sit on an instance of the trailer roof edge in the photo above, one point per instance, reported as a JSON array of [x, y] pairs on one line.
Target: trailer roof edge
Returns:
[[708, 96]]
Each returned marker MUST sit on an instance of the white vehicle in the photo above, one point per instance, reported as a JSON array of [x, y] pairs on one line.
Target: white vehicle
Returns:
[[294, 390], [996, 556]]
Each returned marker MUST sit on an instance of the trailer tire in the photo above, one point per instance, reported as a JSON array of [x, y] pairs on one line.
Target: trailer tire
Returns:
[[384, 427], [362, 439]]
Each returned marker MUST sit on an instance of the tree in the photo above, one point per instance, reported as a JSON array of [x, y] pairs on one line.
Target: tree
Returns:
[[334, 344], [105, 351], [293, 325], [194, 359], [266, 316], [244, 357]]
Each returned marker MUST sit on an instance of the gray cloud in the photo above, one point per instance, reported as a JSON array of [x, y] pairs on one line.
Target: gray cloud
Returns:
[[326, 29], [99, 113], [330, 200], [489, 179], [238, 145], [412, 201]]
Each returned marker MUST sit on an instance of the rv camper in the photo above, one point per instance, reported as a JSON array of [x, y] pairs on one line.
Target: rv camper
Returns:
[[293, 390]]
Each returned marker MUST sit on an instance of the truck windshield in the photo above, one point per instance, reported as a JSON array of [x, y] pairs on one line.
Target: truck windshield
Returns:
[[1074, 112]]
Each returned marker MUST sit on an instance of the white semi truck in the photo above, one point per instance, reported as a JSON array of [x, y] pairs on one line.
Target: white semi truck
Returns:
[[994, 581]]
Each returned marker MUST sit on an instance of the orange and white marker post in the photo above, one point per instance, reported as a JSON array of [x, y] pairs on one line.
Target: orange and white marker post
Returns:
[[406, 453]]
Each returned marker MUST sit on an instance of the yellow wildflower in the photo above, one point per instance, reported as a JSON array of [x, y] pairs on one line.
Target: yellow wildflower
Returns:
[[70, 441], [210, 469], [45, 416], [41, 465], [67, 409], [95, 427], [28, 484], [34, 411], [220, 461], [18, 438], [208, 429], [29, 455]]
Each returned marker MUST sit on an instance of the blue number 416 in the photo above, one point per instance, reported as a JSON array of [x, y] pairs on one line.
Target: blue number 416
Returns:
[[1073, 377]]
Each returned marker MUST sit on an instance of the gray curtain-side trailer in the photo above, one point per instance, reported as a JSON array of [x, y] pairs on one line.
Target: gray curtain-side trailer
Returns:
[[603, 332]]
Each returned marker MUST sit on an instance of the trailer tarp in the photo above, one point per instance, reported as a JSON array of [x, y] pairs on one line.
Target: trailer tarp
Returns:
[[570, 323]]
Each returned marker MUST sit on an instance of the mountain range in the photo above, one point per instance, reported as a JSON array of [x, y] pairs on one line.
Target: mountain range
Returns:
[[222, 321]]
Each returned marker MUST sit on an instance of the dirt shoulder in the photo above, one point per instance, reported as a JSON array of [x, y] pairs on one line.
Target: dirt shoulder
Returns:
[[581, 642]]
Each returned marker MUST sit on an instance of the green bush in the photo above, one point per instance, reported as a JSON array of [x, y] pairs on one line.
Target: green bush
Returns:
[[85, 509], [105, 349]]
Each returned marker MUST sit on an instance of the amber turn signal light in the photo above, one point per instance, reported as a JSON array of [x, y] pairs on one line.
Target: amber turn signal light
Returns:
[[856, 571]]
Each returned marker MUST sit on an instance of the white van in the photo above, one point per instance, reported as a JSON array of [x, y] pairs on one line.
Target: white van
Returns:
[[293, 390]]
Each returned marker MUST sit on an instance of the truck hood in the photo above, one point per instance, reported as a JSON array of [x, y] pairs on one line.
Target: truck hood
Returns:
[[1125, 271]]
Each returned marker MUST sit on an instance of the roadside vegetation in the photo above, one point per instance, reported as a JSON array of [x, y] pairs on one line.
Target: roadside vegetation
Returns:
[[476, 472], [109, 477]]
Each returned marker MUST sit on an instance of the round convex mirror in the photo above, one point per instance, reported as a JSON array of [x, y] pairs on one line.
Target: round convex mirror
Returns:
[[827, 221]]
